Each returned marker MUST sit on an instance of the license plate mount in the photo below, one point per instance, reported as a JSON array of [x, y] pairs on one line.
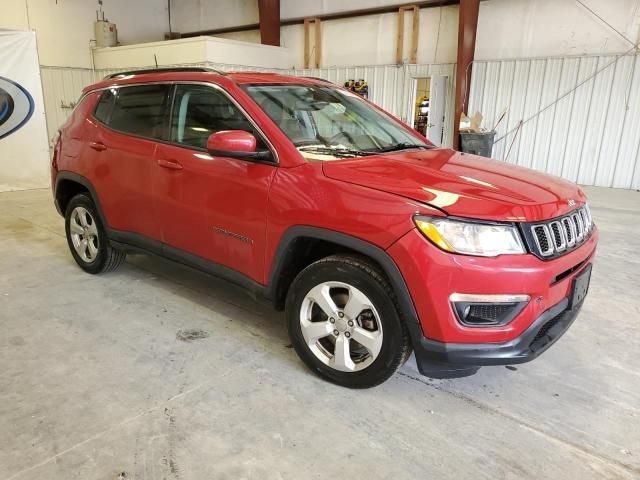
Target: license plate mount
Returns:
[[580, 287]]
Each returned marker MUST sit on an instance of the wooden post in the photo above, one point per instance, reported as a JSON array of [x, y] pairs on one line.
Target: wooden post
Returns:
[[318, 43], [468, 24], [415, 33], [317, 40], [306, 42], [400, 38]]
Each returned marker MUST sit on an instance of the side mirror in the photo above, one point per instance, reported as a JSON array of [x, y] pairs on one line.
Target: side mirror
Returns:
[[236, 144]]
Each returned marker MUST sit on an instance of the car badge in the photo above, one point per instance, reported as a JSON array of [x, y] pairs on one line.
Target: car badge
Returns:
[[571, 202]]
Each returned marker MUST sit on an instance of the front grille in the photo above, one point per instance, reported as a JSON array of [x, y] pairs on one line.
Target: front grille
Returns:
[[560, 235]]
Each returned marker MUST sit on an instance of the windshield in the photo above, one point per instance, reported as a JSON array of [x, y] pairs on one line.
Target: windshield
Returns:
[[327, 123]]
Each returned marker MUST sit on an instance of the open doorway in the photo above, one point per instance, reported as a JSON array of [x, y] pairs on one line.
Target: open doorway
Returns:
[[427, 107], [421, 112]]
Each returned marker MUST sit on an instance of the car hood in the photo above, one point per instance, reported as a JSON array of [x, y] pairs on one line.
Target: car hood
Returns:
[[462, 184]]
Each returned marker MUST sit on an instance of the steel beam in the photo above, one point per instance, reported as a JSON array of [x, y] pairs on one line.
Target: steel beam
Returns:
[[467, 27], [269, 14], [329, 16]]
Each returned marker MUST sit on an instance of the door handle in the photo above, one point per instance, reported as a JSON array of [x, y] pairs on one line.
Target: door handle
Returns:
[[171, 164], [99, 146]]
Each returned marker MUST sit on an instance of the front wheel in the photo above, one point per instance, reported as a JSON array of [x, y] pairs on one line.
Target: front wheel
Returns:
[[344, 323]]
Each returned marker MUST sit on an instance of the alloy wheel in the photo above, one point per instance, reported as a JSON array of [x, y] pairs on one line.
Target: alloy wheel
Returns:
[[341, 326], [84, 234]]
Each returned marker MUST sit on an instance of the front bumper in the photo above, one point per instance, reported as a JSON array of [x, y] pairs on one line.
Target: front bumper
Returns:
[[450, 360], [447, 348], [432, 275]]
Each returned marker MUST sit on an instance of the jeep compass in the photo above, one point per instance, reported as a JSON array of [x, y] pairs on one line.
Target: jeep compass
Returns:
[[375, 242]]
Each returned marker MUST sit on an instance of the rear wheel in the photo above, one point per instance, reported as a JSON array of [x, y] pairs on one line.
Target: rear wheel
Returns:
[[344, 322], [87, 237]]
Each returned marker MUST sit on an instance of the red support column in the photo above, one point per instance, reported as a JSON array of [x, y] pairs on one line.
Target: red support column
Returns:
[[467, 26], [269, 12]]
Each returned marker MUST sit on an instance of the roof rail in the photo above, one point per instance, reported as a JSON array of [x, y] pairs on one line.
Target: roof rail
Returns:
[[319, 79], [163, 70]]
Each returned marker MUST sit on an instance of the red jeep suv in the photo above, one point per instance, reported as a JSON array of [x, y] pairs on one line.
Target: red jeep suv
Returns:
[[375, 242]]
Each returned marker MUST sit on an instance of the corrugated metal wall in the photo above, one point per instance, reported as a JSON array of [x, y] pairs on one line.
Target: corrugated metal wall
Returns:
[[390, 86], [61, 88], [590, 136]]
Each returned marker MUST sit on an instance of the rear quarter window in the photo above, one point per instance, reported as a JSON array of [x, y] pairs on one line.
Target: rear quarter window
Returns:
[[104, 105]]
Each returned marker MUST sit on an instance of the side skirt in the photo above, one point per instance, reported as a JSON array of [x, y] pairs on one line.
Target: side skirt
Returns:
[[135, 243]]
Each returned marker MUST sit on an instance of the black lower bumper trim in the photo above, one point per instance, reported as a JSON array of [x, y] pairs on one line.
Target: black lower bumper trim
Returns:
[[447, 360]]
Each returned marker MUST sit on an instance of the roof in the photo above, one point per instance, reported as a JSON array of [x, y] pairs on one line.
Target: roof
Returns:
[[203, 74], [268, 77]]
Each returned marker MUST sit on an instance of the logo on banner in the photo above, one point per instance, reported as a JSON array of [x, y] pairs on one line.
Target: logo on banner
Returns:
[[16, 106]]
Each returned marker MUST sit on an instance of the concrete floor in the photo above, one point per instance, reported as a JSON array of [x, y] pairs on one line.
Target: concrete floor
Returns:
[[94, 383]]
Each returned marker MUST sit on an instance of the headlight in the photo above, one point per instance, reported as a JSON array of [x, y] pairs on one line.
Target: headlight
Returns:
[[471, 238]]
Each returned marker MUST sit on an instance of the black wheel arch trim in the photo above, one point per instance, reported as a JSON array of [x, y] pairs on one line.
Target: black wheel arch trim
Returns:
[[280, 260], [74, 177]]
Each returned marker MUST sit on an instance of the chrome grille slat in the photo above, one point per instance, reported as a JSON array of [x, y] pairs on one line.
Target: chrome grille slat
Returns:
[[570, 231], [585, 220], [579, 227], [560, 242], [543, 239], [560, 235]]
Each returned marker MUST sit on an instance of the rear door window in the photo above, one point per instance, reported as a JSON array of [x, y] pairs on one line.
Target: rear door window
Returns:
[[140, 110]]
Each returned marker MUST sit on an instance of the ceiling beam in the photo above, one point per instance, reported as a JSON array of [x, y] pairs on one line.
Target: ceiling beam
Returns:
[[329, 16], [467, 27], [269, 14]]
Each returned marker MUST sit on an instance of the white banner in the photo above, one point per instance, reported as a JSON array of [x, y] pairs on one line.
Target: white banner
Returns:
[[24, 147]]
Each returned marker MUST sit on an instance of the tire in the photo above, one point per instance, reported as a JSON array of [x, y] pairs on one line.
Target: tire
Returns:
[[345, 285], [87, 238]]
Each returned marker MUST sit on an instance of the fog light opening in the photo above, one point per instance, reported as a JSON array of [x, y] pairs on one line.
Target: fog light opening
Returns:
[[487, 310]]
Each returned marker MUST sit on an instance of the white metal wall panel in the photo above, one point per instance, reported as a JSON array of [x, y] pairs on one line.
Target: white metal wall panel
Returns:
[[62, 88], [614, 118], [589, 134], [629, 151], [579, 116]]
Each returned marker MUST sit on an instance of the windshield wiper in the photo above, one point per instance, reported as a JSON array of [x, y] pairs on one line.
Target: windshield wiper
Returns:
[[401, 146], [336, 152]]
